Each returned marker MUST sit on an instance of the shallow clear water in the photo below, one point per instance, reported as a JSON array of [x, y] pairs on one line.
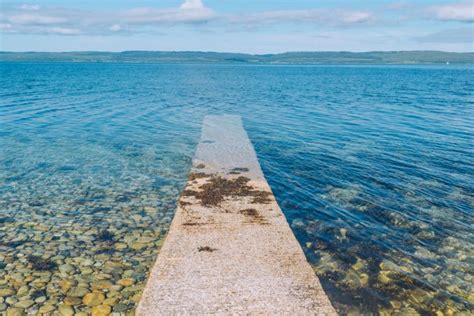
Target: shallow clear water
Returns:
[[373, 167]]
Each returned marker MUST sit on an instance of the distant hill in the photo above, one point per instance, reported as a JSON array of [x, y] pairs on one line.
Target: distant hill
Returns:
[[300, 58]]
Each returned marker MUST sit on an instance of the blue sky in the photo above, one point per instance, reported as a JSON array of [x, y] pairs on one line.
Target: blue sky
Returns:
[[252, 26]]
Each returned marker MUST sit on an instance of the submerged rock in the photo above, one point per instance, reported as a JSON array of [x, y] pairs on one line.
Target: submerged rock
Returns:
[[14, 311], [343, 234], [424, 253], [101, 285], [384, 277], [78, 292], [66, 310], [126, 282], [24, 303], [93, 299], [71, 300], [359, 265], [101, 310], [6, 292], [344, 195], [66, 268], [355, 280], [46, 309], [326, 264]]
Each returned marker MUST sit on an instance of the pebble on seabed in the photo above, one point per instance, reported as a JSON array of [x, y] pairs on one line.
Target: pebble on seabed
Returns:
[[90, 257], [409, 279]]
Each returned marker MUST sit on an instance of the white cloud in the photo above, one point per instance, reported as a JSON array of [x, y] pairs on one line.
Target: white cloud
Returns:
[[35, 19], [5, 26], [355, 17], [458, 35], [63, 31], [317, 16], [398, 5], [67, 21], [463, 12], [153, 16], [32, 7], [31, 18], [192, 5], [115, 28]]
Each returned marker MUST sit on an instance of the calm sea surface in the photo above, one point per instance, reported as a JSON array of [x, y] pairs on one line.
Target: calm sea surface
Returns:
[[372, 165]]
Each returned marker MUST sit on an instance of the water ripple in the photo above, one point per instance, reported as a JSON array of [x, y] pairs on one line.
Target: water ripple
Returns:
[[373, 167]]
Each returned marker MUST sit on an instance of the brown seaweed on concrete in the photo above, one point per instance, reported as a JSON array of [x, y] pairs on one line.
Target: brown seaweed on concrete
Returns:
[[197, 175], [253, 216], [217, 188], [206, 249], [238, 170]]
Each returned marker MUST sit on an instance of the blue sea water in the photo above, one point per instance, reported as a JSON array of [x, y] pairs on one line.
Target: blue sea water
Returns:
[[373, 167]]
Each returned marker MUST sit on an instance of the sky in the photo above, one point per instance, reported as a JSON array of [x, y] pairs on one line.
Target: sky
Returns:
[[249, 26]]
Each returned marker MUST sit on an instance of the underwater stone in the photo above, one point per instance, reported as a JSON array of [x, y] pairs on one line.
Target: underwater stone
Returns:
[[22, 291], [343, 233], [14, 311], [40, 299], [101, 285], [24, 303], [87, 263], [65, 285], [120, 308], [66, 268], [78, 292], [46, 309], [354, 311], [384, 277], [137, 245], [126, 282], [101, 310], [388, 265], [93, 299], [407, 311], [86, 271], [111, 301], [66, 310], [360, 264], [424, 253], [71, 300], [6, 292], [355, 280]]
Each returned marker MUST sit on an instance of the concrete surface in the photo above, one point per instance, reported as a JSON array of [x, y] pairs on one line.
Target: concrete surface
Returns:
[[232, 253]]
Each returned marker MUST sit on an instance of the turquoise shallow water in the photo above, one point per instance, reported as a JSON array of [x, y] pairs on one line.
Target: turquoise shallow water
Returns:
[[372, 165]]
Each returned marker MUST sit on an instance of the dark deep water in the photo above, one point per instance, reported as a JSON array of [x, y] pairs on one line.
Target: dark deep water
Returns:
[[372, 165]]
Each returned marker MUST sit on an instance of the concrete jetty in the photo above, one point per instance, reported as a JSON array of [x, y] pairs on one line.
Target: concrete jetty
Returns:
[[229, 249]]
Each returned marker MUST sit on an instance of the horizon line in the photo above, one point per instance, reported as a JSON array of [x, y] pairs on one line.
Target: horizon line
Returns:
[[242, 53]]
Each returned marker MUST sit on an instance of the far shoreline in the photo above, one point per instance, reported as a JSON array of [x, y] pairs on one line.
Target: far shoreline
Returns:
[[291, 58]]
